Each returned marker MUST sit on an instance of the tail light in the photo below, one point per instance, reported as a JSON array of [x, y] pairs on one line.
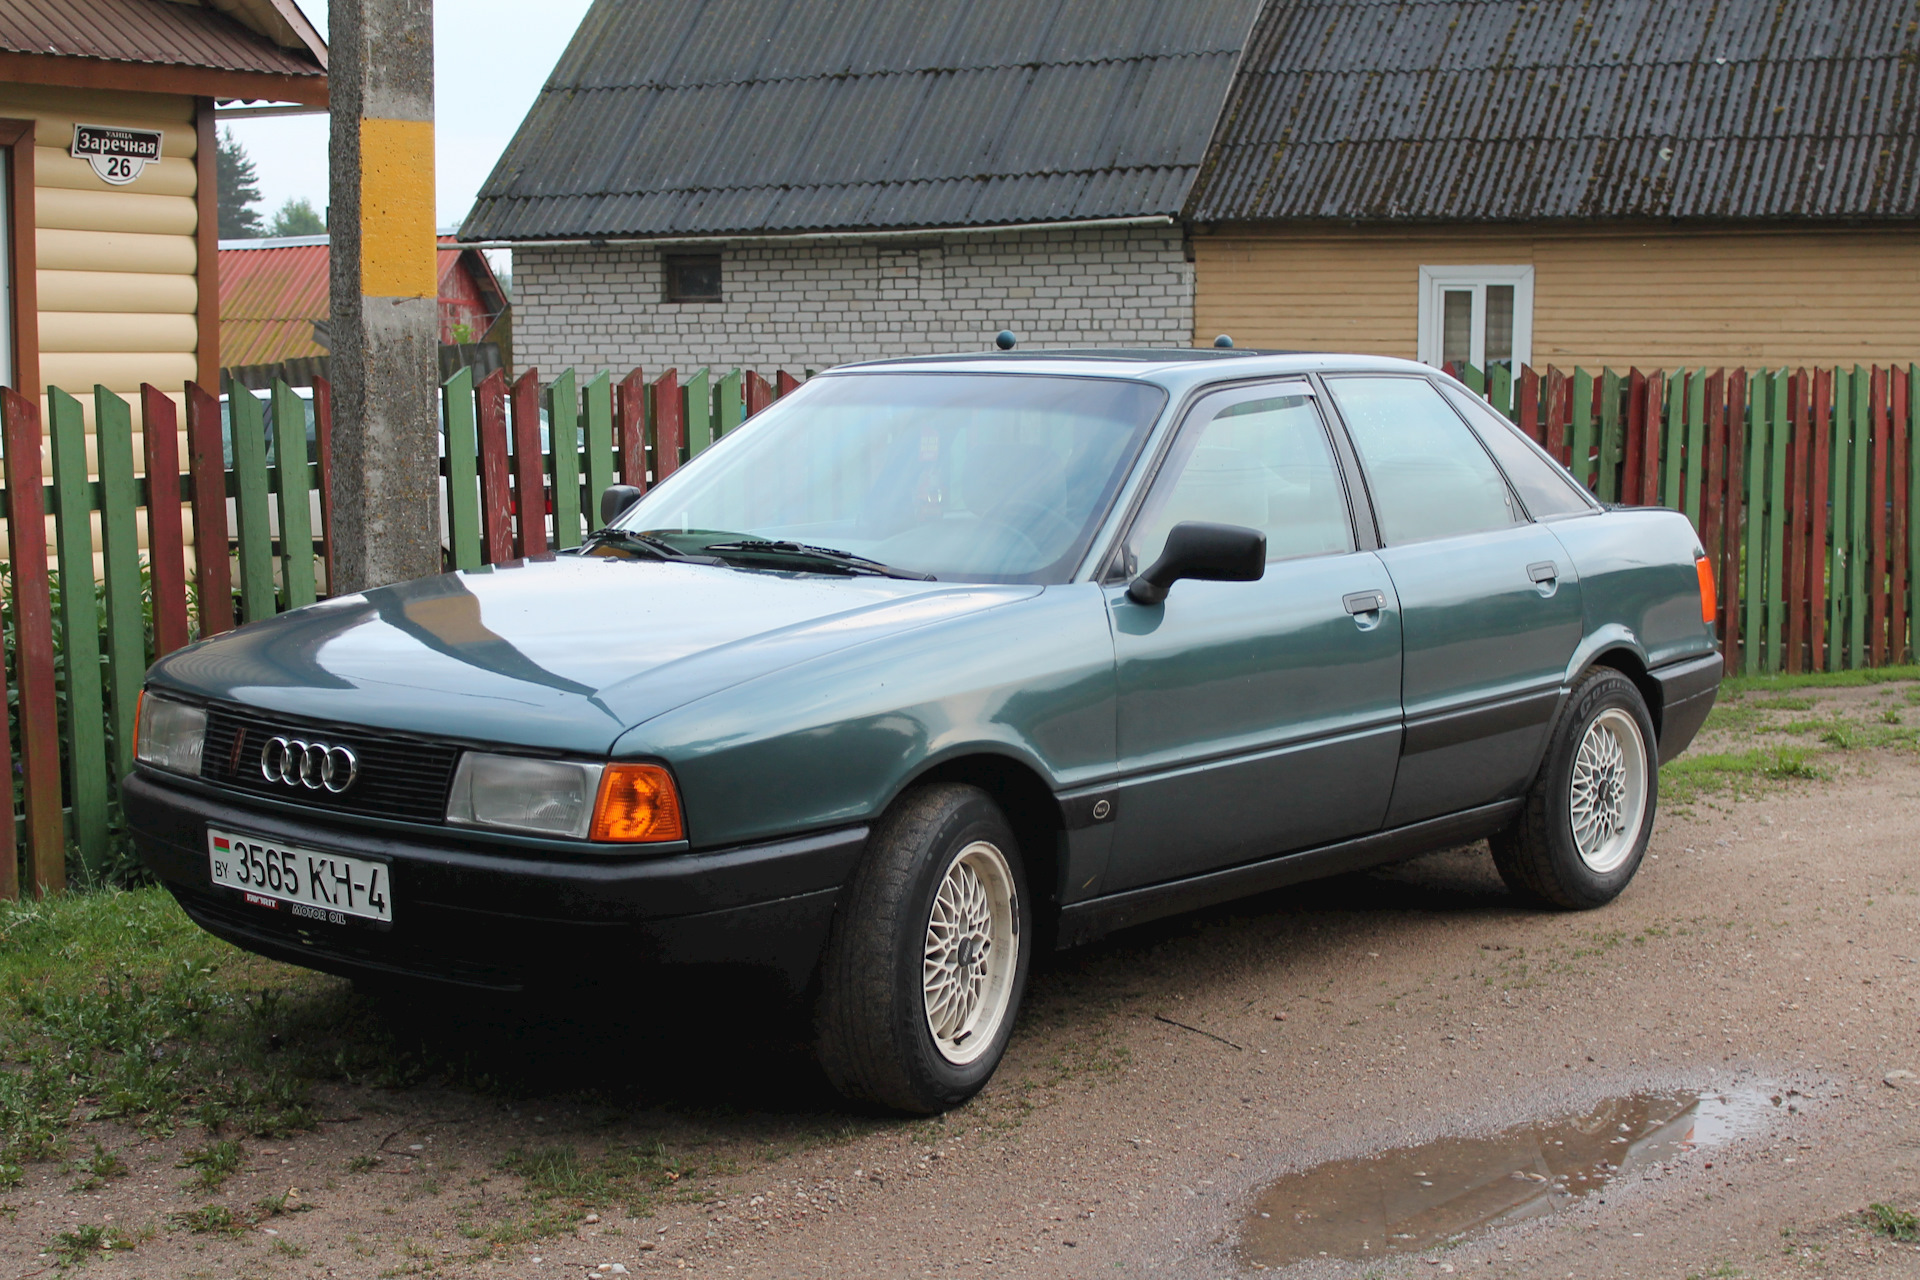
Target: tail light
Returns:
[[1709, 602]]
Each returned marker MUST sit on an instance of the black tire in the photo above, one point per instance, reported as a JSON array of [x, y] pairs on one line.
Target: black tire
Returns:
[[872, 1028], [1538, 855]]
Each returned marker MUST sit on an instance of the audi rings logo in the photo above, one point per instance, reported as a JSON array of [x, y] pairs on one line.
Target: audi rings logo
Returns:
[[313, 765]]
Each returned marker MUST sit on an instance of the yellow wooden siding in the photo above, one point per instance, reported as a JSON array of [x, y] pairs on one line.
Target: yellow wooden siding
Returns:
[[118, 291], [1600, 298]]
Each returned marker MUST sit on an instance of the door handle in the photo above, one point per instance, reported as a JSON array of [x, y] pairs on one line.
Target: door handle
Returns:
[[1365, 601], [1543, 571]]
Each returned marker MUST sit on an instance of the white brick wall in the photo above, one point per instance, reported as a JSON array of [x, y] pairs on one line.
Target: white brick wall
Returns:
[[812, 306]]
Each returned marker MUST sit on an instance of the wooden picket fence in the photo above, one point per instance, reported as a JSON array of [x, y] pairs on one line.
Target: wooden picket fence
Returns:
[[1801, 483], [1803, 486], [73, 673]]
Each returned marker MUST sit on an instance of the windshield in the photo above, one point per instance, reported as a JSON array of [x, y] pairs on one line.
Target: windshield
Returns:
[[966, 477]]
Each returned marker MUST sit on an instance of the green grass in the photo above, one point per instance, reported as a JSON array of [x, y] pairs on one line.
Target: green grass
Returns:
[[211, 1219], [1739, 686], [1692, 776], [1895, 1224], [216, 1162]]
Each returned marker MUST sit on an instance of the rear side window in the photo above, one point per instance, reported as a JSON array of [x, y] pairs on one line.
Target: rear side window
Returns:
[[1544, 485], [1427, 473]]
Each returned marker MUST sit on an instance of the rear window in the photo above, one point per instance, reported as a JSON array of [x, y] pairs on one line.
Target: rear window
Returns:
[[1547, 489]]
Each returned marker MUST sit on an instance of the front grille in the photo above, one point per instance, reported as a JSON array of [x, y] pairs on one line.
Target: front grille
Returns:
[[399, 777]]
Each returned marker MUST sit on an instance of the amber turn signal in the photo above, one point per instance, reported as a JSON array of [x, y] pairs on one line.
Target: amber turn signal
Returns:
[[637, 804], [1709, 603]]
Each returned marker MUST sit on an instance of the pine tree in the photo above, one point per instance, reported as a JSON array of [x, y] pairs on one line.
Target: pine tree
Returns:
[[239, 191], [297, 218]]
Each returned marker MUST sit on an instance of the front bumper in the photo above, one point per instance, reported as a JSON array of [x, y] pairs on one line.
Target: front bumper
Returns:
[[500, 918]]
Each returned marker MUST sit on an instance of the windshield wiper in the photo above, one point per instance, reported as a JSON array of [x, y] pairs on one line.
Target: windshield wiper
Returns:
[[821, 555], [627, 540]]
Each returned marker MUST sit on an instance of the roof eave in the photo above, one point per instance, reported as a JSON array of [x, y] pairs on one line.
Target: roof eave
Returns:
[[74, 72]]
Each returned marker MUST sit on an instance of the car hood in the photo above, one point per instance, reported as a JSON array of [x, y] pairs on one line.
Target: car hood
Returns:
[[561, 654]]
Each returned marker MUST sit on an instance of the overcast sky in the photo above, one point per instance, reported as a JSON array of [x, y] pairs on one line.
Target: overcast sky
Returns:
[[490, 59]]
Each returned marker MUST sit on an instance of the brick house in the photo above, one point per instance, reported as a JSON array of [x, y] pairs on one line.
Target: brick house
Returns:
[[1501, 182]]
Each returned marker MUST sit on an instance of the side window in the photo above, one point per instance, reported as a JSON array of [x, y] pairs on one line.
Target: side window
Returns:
[[1544, 484], [1265, 464], [1427, 473]]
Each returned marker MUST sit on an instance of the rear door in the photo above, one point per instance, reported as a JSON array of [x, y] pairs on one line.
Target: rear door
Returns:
[[1254, 717], [1490, 601]]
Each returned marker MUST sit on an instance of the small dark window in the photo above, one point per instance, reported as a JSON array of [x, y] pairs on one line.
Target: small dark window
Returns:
[[693, 277]]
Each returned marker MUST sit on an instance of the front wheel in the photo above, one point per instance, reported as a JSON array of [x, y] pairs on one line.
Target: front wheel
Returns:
[[927, 959], [1589, 813]]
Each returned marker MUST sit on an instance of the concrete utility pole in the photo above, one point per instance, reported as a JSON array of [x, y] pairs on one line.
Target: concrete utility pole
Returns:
[[385, 330]]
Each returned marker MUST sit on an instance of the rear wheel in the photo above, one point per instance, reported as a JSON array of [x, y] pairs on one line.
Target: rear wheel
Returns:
[[1589, 814], [927, 959]]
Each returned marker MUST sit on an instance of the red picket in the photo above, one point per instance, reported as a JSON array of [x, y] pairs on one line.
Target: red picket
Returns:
[[1879, 568], [759, 393], [166, 549], [1650, 425], [207, 465], [1902, 444], [669, 427], [34, 674], [1557, 406], [630, 428], [1530, 405], [1794, 565], [1630, 494], [496, 498], [784, 384], [323, 438], [1712, 531], [1819, 488], [529, 475], [1730, 564]]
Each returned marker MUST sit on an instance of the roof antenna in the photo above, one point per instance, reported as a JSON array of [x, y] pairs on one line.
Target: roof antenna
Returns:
[[1224, 341], [1005, 340]]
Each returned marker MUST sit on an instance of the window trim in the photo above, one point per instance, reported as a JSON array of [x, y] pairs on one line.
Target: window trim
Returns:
[[1210, 403], [1436, 281], [23, 319]]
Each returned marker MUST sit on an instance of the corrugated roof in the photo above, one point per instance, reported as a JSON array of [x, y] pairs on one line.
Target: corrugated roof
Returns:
[[152, 31], [1541, 109], [709, 117], [271, 296]]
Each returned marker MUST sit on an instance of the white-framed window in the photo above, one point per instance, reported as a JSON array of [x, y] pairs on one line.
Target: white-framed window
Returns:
[[1477, 315]]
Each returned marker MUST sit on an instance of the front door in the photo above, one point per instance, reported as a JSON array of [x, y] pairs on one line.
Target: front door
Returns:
[[1490, 602], [1254, 717]]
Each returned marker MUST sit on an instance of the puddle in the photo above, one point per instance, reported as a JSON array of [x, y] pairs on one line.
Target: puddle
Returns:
[[1416, 1198]]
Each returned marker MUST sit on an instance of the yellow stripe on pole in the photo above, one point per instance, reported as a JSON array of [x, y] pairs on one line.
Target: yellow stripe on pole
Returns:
[[397, 254]]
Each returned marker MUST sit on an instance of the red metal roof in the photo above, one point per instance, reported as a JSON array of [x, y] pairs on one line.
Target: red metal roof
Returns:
[[151, 31], [271, 297]]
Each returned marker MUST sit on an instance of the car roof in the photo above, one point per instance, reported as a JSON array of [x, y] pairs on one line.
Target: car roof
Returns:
[[1164, 365]]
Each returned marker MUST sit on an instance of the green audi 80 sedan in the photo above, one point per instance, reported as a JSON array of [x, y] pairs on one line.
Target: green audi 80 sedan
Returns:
[[934, 665]]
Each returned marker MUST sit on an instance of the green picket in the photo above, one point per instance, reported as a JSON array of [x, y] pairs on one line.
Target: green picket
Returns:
[[80, 624], [1754, 557], [696, 398], [463, 470], [1500, 389], [1612, 436], [729, 405], [563, 439], [1839, 555], [1859, 555], [120, 547], [598, 399], [1582, 442], [1475, 379], [248, 429], [292, 484], [1776, 518], [1696, 445], [1672, 439]]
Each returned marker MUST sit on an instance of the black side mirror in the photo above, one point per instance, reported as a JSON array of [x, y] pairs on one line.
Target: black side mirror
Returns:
[[1208, 552], [616, 499]]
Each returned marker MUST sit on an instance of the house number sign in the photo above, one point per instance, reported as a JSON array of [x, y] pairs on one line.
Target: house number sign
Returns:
[[117, 155]]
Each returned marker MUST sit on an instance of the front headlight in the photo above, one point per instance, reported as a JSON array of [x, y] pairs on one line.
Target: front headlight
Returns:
[[169, 735], [517, 793]]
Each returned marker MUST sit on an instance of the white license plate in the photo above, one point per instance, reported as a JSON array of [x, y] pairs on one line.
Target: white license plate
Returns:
[[302, 882]]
